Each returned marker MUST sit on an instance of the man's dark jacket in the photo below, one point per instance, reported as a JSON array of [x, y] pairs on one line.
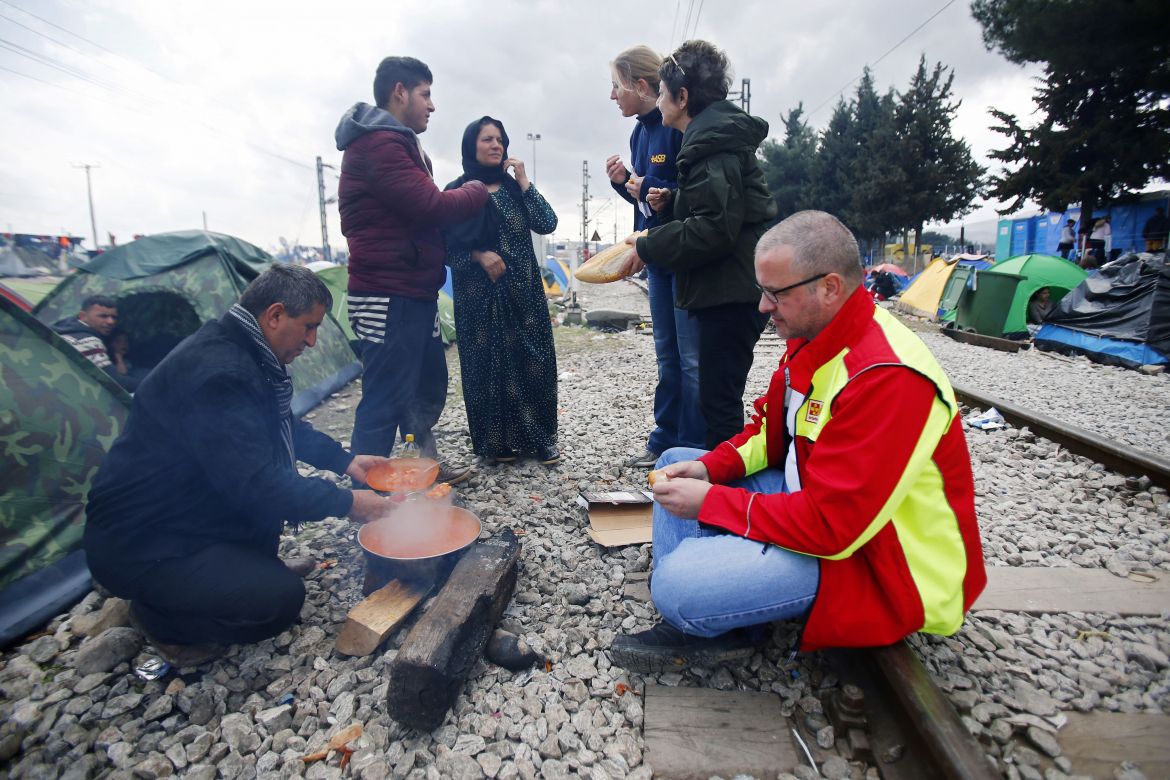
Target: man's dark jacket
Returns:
[[392, 213], [200, 462], [721, 209]]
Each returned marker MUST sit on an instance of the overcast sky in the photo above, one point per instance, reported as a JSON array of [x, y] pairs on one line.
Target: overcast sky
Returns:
[[222, 107]]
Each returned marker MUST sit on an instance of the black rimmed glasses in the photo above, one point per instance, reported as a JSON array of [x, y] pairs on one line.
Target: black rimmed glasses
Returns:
[[774, 295]]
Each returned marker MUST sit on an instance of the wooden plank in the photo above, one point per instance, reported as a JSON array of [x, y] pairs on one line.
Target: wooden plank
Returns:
[[979, 340], [699, 732], [371, 621], [1045, 589], [438, 653], [1097, 742]]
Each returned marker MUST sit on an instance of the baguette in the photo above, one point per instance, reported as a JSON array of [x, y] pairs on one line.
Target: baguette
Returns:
[[606, 265]]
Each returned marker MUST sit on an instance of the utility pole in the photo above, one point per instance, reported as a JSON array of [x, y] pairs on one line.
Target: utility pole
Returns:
[[89, 192], [325, 252], [573, 314], [534, 137], [204, 221], [745, 95]]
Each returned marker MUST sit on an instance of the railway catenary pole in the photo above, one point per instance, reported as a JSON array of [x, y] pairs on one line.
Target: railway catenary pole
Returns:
[[89, 193], [745, 95], [326, 254]]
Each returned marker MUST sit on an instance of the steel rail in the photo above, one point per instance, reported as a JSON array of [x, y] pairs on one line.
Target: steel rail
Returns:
[[1119, 457], [913, 730]]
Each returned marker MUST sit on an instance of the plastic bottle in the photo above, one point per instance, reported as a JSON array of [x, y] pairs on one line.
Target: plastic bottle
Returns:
[[409, 448]]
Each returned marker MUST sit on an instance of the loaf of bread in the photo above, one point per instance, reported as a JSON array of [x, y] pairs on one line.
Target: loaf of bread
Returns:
[[605, 266]]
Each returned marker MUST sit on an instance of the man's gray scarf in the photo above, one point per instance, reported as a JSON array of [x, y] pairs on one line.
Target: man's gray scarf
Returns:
[[276, 374]]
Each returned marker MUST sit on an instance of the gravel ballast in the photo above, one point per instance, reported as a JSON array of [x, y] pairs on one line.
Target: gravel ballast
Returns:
[[71, 706]]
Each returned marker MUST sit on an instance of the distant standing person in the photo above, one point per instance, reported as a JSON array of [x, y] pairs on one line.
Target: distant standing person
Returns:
[[506, 353], [1155, 230], [1100, 239], [654, 147], [721, 208], [392, 214], [1068, 239]]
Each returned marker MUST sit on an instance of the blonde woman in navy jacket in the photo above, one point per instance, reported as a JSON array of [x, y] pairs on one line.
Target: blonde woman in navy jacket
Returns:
[[653, 148]]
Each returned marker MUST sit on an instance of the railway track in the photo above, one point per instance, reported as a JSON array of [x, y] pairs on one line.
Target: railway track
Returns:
[[1116, 456]]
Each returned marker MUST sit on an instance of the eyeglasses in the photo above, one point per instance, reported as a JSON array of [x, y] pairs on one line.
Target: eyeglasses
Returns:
[[774, 295], [680, 67]]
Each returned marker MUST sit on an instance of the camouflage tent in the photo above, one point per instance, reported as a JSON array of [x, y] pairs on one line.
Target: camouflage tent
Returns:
[[167, 285], [58, 415]]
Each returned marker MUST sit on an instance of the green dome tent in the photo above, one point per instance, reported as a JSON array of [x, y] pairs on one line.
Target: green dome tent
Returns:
[[996, 304], [168, 285], [58, 415]]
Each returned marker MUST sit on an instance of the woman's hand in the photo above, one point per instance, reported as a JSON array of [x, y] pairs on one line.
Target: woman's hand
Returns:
[[632, 265], [615, 169], [634, 186], [518, 171], [659, 198], [492, 264]]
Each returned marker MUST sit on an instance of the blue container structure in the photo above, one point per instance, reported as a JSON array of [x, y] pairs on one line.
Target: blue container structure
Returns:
[[1040, 233]]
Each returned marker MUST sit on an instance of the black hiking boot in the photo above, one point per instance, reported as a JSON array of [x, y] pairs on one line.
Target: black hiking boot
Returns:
[[664, 648]]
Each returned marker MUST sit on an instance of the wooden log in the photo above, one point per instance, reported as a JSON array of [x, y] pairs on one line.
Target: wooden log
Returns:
[[438, 653], [978, 339], [371, 621]]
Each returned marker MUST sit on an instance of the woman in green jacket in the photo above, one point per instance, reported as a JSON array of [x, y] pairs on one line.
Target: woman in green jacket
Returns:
[[720, 210]]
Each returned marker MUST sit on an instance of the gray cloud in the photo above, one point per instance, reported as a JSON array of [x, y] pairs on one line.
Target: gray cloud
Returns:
[[208, 98]]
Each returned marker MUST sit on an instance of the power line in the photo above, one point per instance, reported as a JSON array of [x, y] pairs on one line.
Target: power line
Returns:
[[43, 35], [695, 27], [879, 59], [49, 83], [67, 31], [674, 24], [41, 59]]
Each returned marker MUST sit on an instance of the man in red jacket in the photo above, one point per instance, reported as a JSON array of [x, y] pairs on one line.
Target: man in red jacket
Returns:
[[392, 214], [847, 502]]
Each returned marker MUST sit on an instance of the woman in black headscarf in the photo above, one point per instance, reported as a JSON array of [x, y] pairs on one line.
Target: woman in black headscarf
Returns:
[[506, 353]]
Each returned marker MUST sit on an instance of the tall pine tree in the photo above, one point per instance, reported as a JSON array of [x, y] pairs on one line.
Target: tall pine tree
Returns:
[[788, 163], [943, 179], [829, 186], [1104, 123], [876, 182]]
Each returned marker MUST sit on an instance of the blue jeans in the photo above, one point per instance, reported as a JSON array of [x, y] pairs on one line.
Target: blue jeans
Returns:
[[678, 417], [404, 381], [707, 581]]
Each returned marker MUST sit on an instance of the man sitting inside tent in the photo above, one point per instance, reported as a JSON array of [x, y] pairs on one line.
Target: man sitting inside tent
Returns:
[[1039, 305], [87, 332], [185, 513]]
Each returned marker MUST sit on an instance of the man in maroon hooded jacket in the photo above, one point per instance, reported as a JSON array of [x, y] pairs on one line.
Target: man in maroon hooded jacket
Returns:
[[392, 214]]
